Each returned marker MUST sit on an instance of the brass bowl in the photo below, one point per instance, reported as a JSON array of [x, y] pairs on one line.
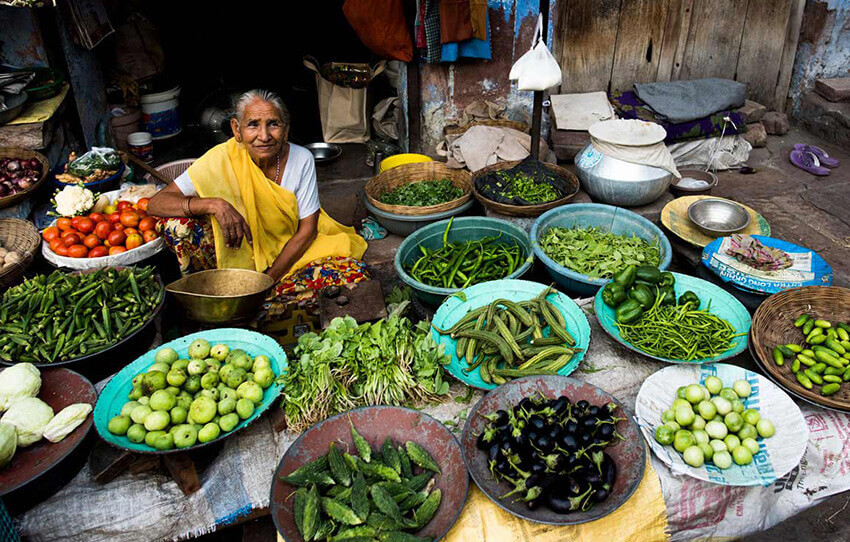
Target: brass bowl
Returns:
[[220, 296]]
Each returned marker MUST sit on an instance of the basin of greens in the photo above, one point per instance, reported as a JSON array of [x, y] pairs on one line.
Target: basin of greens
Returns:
[[422, 193]]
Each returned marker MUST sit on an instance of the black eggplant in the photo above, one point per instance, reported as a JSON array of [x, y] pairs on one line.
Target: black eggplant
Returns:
[[571, 427], [568, 442], [599, 495], [536, 421]]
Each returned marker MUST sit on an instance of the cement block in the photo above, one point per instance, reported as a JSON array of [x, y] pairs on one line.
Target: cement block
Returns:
[[836, 89]]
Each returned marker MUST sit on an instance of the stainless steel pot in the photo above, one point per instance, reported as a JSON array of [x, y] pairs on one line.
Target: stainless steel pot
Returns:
[[611, 180]]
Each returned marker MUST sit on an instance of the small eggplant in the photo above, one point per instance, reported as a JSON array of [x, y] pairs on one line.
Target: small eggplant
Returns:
[[499, 419], [544, 444], [593, 410], [554, 433], [494, 453], [527, 405], [533, 504], [594, 479], [538, 467], [536, 421], [568, 442], [606, 431], [599, 495], [504, 468], [584, 439], [582, 405], [571, 427], [609, 471], [588, 424], [562, 506], [532, 435]]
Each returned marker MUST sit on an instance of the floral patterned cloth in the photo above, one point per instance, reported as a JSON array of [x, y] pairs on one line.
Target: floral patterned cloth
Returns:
[[191, 240]]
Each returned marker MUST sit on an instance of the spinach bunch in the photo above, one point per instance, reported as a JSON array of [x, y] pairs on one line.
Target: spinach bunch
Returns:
[[422, 193], [597, 252]]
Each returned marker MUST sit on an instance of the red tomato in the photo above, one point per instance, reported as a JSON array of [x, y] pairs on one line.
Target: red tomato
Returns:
[[91, 240], [71, 239], [54, 244], [141, 213], [147, 224], [149, 236], [130, 218], [64, 223], [117, 226], [51, 233], [61, 250], [134, 241], [97, 217], [85, 225], [116, 238], [75, 221], [115, 217], [116, 250], [78, 251], [142, 204], [130, 231], [123, 205], [98, 252], [103, 229]]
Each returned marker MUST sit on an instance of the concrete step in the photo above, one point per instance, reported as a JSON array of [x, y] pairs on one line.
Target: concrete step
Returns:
[[836, 89], [829, 120]]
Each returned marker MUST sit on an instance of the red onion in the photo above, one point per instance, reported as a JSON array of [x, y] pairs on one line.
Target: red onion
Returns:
[[13, 165]]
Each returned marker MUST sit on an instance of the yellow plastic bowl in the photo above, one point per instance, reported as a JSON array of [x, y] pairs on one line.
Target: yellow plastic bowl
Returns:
[[399, 159]]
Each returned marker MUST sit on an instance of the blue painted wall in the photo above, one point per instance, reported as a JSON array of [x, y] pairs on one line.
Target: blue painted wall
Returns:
[[824, 47]]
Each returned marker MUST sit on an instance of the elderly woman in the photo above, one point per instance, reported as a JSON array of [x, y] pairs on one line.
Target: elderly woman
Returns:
[[260, 193]]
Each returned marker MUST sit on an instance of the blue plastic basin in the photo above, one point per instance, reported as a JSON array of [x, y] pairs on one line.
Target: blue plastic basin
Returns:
[[597, 215]]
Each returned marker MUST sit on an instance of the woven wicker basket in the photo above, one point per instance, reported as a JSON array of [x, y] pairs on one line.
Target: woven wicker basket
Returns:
[[411, 173], [524, 210], [10, 152], [22, 236], [773, 324], [499, 123]]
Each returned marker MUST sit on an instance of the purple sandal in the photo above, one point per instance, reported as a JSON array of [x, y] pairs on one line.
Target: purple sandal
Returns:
[[822, 156], [808, 161]]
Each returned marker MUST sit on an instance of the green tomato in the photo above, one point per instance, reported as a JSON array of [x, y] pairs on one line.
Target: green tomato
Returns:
[[184, 401], [175, 377], [663, 435], [748, 431], [193, 384], [199, 349], [684, 415], [235, 377], [226, 406], [751, 445], [136, 433], [119, 425], [209, 381], [245, 408], [706, 395], [694, 456], [173, 390], [161, 367], [742, 455], [144, 400], [765, 428], [713, 385], [700, 436], [716, 430], [668, 415], [264, 376], [228, 422], [197, 367], [203, 410], [751, 416], [150, 438], [153, 381], [166, 355], [242, 361], [699, 423], [211, 393], [707, 409], [261, 362], [135, 394], [717, 445], [693, 394], [742, 388], [225, 370], [220, 351], [164, 442], [140, 413], [728, 394], [732, 442], [679, 402], [162, 400], [737, 406], [673, 426], [181, 364], [234, 353], [734, 422], [722, 459], [179, 414], [227, 393], [157, 420], [209, 432], [723, 406], [185, 435], [128, 407], [707, 451], [213, 365], [683, 440]]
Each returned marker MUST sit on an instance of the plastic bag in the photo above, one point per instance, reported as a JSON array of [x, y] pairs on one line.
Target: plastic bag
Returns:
[[103, 158], [537, 69]]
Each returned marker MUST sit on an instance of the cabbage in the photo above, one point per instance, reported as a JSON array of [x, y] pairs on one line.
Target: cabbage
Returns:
[[66, 421], [8, 443], [18, 382], [29, 416]]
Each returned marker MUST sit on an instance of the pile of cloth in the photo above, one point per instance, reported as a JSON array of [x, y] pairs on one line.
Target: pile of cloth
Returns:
[[446, 30]]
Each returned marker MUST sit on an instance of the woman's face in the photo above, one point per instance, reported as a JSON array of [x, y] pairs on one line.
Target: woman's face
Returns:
[[261, 131]]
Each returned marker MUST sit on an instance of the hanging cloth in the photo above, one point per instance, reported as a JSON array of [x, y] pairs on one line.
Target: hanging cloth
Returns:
[[478, 16], [226, 171], [455, 21], [471, 48], [432, 31]]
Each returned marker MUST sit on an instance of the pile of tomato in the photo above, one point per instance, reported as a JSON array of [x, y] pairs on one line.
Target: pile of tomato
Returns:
[[102, 234]]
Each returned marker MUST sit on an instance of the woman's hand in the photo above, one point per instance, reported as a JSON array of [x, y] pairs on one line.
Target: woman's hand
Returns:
[[233, 225]]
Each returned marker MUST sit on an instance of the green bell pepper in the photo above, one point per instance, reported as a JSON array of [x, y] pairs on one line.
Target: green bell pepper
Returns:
[[667, 279], [643, 295], [628, 311], [690, 297], [667, 295], [649, 274], [613, 294], [626, 277]]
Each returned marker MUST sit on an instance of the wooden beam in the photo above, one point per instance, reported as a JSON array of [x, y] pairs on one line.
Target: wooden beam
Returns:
[[639, 40], [714, 39], [678, 23], [585, 40], [759, 60], [789, 52]]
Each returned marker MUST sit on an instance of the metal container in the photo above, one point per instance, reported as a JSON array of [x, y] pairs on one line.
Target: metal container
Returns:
[[699, 174], [220, 296], [611, 180], [718, 217], [324, 152]]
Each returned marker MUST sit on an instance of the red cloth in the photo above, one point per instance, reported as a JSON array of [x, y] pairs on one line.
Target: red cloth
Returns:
[[455, 21], [381, 26]]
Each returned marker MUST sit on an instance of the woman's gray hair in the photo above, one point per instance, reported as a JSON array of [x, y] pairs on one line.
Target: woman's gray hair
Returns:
[[264, 95]]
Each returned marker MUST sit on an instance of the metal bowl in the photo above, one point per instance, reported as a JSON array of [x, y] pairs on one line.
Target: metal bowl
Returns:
[[718, 217], [324, 152], [614, 181], [14, 105], [698, 174], [220, 296]]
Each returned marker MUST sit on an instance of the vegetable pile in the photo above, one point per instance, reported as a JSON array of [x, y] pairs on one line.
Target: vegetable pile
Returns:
[[509, 340], [750, 251], [62, 316], [648, 317], [8, 258], [422, 193], [826, 361], [388, 362], [462, 264], [375, 494], [710, 423], [596, 252], [18, 175], [553, 452], [525, 188], [95, 165], [28, 419], [177, 402]]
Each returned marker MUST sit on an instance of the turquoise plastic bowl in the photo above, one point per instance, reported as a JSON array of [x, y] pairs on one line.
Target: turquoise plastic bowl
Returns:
[[463, 229], [586, 215], [723, 305], [114, 395], [454, 308]]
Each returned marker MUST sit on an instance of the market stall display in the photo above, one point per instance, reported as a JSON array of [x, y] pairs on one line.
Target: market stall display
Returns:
[[523, 187], [765, 265], [19, 241], [100, 167], [501, 330], [801, 357], [441, 258], [660, 322], [596, 221], [754, 455], [674, 217], [22, 172], [386, 452], [421, 188], [208, 388], [626, 452]]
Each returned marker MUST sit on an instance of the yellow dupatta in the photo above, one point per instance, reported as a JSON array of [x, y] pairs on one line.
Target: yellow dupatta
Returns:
[[226, 171]]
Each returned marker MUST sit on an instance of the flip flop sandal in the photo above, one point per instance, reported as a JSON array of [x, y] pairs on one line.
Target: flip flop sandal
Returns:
[[808, 161], [823, 157]]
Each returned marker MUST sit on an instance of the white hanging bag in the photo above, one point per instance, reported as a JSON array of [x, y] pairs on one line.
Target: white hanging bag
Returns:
[[537, 69]]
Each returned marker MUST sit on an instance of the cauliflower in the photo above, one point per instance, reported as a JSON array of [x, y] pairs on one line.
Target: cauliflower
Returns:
[[8, 443], [18, 382], [66, 421], [74, 200], [29, 416]]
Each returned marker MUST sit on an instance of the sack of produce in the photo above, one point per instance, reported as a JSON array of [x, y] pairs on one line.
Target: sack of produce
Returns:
[[528, 183], [29, 416], [18, 382]]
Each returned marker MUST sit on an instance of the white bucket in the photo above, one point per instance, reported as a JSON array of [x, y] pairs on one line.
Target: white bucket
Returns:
[[160, 113]]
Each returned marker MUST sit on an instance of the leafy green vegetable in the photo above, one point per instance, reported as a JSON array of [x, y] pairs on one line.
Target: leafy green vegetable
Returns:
[[597, 252], [524, 187], [388, 362], [422, 193]]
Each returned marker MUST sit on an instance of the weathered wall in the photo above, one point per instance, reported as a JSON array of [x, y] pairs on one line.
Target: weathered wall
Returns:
[[21, 42], [824, 47], [446, 89]]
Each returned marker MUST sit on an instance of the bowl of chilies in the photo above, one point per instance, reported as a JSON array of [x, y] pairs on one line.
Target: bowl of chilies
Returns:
[[443, 258], [672, 317]]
